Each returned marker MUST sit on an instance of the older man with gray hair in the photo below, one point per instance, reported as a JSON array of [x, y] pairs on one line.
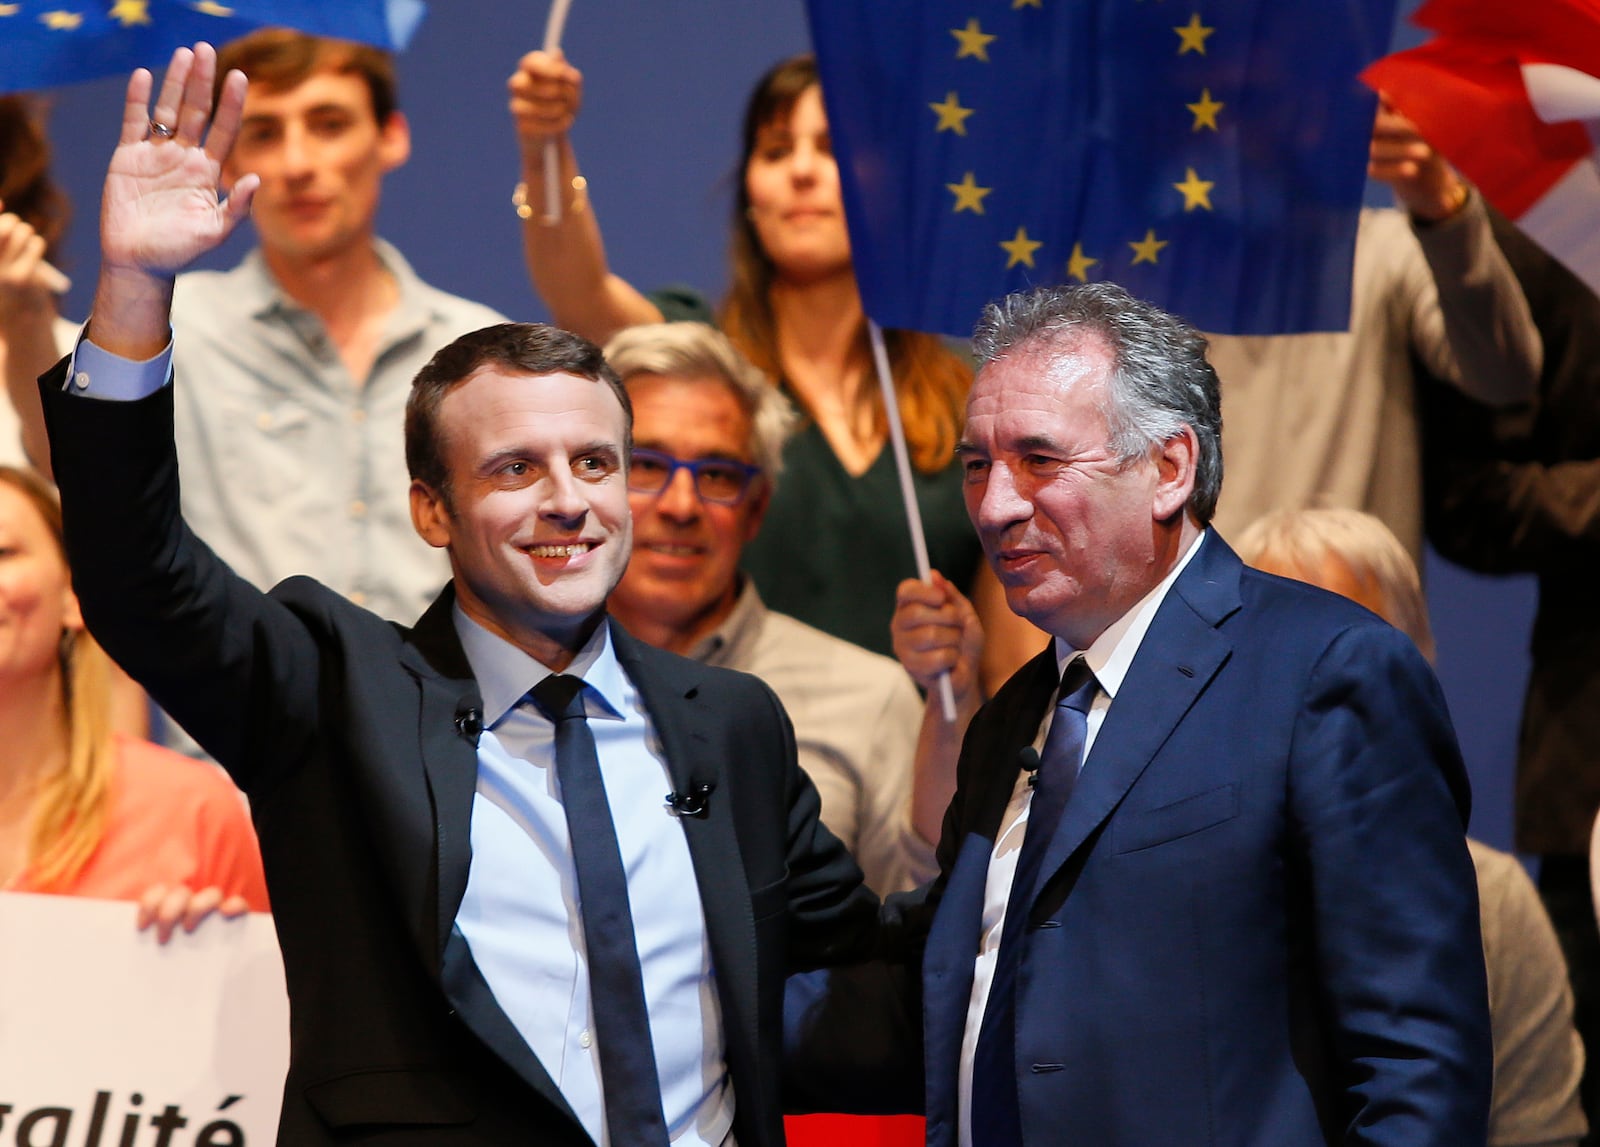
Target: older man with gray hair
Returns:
[[708, 443], [1204, 878]]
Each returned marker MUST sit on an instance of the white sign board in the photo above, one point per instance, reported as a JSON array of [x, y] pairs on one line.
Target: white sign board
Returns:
[[108, 1039]]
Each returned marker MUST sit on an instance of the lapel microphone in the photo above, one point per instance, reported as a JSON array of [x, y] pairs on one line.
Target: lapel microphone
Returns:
[[694, 803], [469, 722], [1028, 758]]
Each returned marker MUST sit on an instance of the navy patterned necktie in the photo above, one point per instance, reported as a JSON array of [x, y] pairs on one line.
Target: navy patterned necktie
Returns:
[[628, 1079], [996, 1116]]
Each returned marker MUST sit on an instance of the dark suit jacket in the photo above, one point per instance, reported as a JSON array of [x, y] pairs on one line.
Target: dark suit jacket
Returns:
[[352, 738], [1257, 923], [1519, 492]]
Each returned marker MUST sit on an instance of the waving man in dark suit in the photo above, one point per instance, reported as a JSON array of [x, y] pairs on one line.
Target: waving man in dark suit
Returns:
[[494, 929], [1204, 879]]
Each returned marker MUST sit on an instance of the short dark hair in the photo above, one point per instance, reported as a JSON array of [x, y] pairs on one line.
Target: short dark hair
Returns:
[[521, 348], [1160, 379], [279, 59]]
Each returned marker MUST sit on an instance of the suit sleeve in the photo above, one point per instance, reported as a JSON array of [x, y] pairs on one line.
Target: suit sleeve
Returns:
[[1378, 804], [234, 667]]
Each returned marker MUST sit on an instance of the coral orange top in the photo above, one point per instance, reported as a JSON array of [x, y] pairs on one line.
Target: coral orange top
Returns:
[[172, 820]]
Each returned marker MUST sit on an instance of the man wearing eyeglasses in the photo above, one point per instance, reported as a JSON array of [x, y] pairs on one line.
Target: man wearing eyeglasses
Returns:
[[708, 437]]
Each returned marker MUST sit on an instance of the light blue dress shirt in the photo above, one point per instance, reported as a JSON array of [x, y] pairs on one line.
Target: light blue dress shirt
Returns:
[[520, 914]]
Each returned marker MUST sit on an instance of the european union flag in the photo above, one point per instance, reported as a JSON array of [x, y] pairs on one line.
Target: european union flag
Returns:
[[1208, 155], [46, 43]]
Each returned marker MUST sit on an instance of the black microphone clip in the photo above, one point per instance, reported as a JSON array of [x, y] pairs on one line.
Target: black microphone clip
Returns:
[[694, 803], [1028, 758], [469, 722]]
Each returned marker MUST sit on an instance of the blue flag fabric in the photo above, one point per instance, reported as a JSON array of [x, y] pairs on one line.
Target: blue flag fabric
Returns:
[[1208, 155], [46, 43]]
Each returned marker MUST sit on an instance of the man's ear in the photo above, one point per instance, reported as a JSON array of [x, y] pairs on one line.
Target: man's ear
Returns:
[[394, 140], [430, 514], [1176, 460], [760, 499]]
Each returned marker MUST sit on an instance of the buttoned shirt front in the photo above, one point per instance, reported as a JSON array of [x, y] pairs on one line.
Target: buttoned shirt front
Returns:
[[520, 915], [289, 464]]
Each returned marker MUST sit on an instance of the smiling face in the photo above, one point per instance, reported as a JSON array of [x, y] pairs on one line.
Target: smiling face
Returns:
[[1076, 534], [792, 184], [321, 155], [683, 579], [36, 599], [536, 518]]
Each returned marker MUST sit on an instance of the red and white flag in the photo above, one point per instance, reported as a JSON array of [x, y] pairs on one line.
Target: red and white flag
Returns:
[[1509, 92]]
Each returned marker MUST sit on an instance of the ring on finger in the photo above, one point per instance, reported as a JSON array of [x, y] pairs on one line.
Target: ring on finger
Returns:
[[159, 130]]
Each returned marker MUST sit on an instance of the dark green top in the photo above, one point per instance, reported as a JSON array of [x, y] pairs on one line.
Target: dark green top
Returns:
[[833, 547]]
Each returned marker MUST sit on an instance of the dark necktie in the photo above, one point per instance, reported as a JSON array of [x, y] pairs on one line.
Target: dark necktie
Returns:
[[628, 1079], [996, 1118]]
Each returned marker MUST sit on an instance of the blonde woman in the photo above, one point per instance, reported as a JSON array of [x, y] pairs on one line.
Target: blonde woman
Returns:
[[85, 811]]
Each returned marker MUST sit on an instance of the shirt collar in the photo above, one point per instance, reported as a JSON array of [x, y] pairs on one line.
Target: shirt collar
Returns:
[[263, 295], [505, 673], [724, 644], [1111, 654]]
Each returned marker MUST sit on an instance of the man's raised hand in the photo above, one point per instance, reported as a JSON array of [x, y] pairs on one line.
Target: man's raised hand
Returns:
[[164, 204]]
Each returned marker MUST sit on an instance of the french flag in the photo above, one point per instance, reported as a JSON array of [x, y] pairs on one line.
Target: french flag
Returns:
[[1509, 92]]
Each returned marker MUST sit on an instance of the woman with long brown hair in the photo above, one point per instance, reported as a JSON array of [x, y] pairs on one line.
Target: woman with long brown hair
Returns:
[[835, 542], [85, 811]]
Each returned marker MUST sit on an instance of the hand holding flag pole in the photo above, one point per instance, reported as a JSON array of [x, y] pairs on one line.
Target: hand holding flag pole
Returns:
[[902, 462], [554, 28]]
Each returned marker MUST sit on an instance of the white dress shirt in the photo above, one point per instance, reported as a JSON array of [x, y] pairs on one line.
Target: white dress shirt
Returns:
[[1109, 657]]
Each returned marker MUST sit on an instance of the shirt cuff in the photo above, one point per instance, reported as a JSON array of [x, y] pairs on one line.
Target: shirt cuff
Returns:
[[97, 373]]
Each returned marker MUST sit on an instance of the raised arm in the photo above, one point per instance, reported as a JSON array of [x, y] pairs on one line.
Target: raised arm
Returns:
[[566, 256], [163, 207], [28, 287], [1470, 321]]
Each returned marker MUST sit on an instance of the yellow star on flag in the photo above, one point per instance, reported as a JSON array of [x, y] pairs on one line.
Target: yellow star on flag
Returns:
[[10, 9], [1192, 36], [1020, 248], [1196, 191], [210, 8], [1205, 112], [974, 41], [61, 21], [130, 12], [1078, 264], [1146, 249], [952, 116], [1026, 4], [969, 196]]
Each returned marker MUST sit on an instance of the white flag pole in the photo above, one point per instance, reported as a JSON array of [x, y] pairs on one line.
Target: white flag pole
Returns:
[[908, 491], [555, 27]]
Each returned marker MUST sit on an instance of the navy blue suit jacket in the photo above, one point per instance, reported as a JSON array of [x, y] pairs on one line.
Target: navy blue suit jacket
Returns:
[[1257, 924]]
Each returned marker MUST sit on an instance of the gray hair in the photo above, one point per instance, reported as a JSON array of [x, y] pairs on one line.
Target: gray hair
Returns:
[[1160, 379], [693, 350], [1297, 542]]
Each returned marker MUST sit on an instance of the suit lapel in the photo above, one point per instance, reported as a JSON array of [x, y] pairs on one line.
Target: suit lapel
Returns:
[[672, 699], [947, 965], [450, 721], [1180, 654]]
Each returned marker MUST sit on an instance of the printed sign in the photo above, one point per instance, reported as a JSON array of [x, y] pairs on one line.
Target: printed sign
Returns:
[[108, 1039]]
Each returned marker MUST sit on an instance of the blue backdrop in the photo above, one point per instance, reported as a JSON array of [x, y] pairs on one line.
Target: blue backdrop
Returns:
[[665, 83]]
